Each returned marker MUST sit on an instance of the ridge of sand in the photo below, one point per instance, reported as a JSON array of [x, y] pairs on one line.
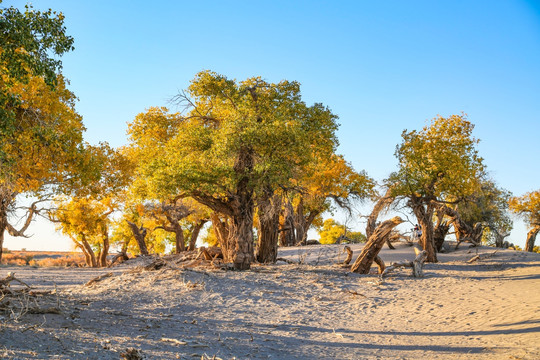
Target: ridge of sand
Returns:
[[488, 309]]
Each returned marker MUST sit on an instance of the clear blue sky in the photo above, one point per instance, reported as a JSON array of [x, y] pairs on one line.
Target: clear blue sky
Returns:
[[382, 66]]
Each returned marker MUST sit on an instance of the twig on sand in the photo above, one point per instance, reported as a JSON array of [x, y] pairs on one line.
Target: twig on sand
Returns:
[[98, 279]]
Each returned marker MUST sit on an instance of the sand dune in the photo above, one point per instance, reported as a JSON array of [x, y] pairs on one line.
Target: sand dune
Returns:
[[488, 309]]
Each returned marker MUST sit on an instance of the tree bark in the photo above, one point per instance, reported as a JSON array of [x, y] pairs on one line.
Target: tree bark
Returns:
[[140, 235], [221, 229], [104, 251], [241, 237], [374, 245], [180, 241], [287, 230], [267, 244], [89, 251], [531, 238], [195, 234], [424, 215], [464, 231]]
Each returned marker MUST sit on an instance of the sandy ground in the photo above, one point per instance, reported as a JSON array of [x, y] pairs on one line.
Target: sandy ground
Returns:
[[488, 309]]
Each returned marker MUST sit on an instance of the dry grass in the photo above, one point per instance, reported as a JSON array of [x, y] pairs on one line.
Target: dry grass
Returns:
[[43, 259]]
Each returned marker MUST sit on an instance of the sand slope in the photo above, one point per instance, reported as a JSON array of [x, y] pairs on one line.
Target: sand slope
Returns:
[[488, 309]]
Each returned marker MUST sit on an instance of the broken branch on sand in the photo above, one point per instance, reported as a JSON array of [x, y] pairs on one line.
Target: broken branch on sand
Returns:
[[5, 282], [98, 279], [481, 257], [417, 265]]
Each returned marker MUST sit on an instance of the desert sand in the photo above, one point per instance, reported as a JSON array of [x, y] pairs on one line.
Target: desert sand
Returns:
[[313, 309]]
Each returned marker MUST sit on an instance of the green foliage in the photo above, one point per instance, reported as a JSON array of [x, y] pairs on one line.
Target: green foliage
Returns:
[[29, 43], [527, 207], [356, 237], [199, 153], [489, 206], [439, 162], [331, 231]]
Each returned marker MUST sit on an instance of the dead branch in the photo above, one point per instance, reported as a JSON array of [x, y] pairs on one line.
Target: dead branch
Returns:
[[98, 279], [481, 257], [5, 283]]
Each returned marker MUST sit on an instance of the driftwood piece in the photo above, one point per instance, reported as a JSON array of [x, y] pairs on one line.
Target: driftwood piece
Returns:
[[98, 279], [417, 265], [349, 255], [481, 257], [5, 282], [120, 258], [210, 253], [380, 264], [287, 261]]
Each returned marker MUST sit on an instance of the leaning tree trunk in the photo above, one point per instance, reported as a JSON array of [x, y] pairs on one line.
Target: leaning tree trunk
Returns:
[[140, 235], [424, 215], [531, 238], [195, 234], [88, 249], [267, 244], [374, 245], [221, 229]]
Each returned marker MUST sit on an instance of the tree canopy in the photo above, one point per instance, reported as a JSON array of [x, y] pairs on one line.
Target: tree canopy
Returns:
[[438, 165], [528, 207]]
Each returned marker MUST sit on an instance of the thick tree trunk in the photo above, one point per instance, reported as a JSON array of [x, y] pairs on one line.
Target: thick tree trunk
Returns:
[[531, 238], [140, 235], [241, 237], [89, 251], [439, 234], [104, 251], [464, 231], [374, 245], [195, 234], [287, 231], [424, 214], [180, 241], [267, 244]]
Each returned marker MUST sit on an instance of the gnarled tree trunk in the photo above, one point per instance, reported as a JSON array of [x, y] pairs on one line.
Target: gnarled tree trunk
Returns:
[[374, 245], [424, 215], [221, 229], [104, 251], [531, 237], [267, 244], [140, 235], [287, 229], [241, 237], [464, 231], [195, 233], [89, 252]]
